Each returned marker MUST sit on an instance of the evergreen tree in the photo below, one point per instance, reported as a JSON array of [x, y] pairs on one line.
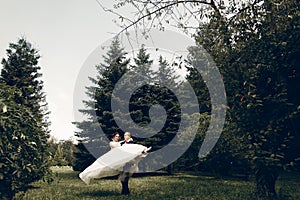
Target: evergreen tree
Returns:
[[134, 92], [166, 73], [24, 129], [58, 158], [83, 157], [155, 92], [68, 149], [143, 65], [140, 100], [165, 76], [115, 65], [98, 107], [21, 70]]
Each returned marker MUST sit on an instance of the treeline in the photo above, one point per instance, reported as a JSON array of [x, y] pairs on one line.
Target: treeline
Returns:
[[61, 153]]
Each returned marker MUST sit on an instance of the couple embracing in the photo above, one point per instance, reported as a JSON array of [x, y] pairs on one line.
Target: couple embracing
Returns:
[[121, 160]]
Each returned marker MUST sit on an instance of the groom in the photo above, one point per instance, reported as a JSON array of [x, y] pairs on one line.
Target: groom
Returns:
[[124, 176], [127, 139]]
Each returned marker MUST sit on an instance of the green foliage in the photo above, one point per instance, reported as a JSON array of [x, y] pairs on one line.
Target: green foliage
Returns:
[[152, 94], [62, 153], [21, 70], [143, 98], [23, 159], [225, 159], [83, 158], [256, 54], [23, 125], [255, 45], [98, 108], [189, 161]]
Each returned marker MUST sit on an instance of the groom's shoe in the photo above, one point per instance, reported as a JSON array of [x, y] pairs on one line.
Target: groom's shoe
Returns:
[[125, 192]]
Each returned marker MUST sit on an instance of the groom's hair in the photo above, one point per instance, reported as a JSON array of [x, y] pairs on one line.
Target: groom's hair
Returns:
[[127, 133]]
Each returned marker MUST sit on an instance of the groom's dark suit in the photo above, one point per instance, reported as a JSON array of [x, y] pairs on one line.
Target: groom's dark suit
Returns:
[[124, 142]]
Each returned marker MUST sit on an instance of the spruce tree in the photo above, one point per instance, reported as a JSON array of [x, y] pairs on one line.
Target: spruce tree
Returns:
[[152, 92], [139, 105], [24, 129], [134, 91], [98, 107], [21, 70], [164, 76]]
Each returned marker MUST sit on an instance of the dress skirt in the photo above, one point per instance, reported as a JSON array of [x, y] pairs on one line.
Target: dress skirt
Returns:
[[112, 163]]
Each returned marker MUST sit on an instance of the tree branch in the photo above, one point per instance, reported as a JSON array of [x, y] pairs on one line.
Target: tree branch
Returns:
[[113, 12], [244, 9], [171, 3]]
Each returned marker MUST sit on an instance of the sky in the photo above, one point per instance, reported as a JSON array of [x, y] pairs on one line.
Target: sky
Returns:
[[65, 33]]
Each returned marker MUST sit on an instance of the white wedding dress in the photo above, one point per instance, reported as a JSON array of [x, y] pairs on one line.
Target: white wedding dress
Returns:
[[112, 162]]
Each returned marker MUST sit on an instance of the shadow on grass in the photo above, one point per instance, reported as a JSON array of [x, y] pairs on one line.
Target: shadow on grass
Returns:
[[145, 174], [33, 187], [98, 194], [139, 174]]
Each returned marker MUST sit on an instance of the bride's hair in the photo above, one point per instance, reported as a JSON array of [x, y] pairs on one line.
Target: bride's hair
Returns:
[[114, 134]]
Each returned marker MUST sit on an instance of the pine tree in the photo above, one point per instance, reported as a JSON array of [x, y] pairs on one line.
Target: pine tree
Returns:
[[24, 129]]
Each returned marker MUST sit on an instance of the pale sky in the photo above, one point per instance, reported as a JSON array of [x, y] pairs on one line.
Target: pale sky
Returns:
[[65, 32]]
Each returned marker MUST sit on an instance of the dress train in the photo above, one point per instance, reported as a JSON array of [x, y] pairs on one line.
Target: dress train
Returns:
[[112, 162]]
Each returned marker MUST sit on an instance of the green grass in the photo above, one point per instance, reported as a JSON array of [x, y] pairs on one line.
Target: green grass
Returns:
[[68, 186]]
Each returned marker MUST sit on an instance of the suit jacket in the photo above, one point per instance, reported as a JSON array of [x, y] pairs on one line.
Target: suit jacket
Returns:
[[128, 142]]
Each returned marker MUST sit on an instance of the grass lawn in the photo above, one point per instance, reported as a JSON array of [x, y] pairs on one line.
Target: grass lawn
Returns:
[[67, 185]]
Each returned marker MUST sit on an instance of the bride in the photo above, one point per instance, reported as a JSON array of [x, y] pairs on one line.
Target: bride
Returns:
[[112, 162]]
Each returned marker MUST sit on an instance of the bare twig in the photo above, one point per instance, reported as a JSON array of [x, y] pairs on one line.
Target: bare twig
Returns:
[[113, 12], [157, 10]]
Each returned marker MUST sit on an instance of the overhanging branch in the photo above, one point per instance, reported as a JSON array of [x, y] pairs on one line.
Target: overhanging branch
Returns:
[[146, 15]]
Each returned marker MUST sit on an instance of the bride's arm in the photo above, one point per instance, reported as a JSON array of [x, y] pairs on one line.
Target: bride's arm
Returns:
[[114, 144]]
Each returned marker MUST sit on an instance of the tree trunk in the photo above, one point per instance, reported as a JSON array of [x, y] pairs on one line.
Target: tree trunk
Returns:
[[170, 169], [6, 192], [265, 178]]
